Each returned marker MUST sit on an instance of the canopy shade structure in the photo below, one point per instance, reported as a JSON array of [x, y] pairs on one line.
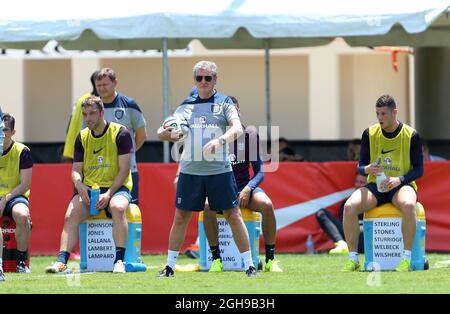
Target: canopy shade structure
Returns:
[[115, 25]]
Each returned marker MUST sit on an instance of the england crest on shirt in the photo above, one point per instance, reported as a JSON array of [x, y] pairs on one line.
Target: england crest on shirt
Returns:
[[215, 109], [118, 113]]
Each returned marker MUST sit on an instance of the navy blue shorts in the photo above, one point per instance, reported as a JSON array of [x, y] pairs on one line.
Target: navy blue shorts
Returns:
[[16, 200], [383, 198], [220, 189]]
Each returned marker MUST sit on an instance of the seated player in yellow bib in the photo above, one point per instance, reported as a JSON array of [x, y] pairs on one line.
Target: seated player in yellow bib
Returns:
[[15, 180], [395, 148], [102, 156]]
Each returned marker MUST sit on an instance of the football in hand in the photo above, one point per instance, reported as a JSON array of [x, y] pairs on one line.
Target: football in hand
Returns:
[[177, 123]]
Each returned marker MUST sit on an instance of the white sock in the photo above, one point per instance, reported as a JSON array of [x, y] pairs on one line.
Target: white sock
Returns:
[[1, 262], [197, 241], [172, 258], [406, 255], [341, 243], [247, 257], [353, 256]]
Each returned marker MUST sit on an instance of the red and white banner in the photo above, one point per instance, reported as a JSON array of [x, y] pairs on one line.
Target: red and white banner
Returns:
[[297, 190]]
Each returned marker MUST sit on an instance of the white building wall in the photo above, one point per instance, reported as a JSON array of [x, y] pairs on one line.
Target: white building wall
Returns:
[[318, 93]]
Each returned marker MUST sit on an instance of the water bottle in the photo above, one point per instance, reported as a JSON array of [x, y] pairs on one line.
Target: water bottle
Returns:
[[135, 267], [310, 245], [380, 178], [95, 193]]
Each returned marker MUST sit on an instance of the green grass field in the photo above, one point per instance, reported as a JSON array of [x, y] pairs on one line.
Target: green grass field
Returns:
[[318, 273]]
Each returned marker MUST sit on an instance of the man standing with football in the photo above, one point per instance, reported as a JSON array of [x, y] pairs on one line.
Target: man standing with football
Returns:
[[205, 165], [245, 154]]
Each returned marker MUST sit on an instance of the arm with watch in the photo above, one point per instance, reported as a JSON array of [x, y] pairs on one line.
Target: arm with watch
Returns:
[[230, 135]]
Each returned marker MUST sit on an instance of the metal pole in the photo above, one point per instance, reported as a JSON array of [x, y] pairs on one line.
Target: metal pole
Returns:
[[166, 107], [267, 87]]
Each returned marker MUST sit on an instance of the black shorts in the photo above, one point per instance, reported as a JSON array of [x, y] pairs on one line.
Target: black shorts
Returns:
[[383, 198]]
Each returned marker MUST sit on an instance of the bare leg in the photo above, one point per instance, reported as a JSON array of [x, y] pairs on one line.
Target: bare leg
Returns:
[[210, 224], [178, 229], [118, 208], [76, 213], [359, 202], [21, 215], [260, 202], [240, 233], [406, 199]]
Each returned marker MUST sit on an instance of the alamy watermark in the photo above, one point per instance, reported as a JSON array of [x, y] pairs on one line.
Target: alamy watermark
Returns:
[[374, 277], [73, 279], [246, 148], [374, 20]]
